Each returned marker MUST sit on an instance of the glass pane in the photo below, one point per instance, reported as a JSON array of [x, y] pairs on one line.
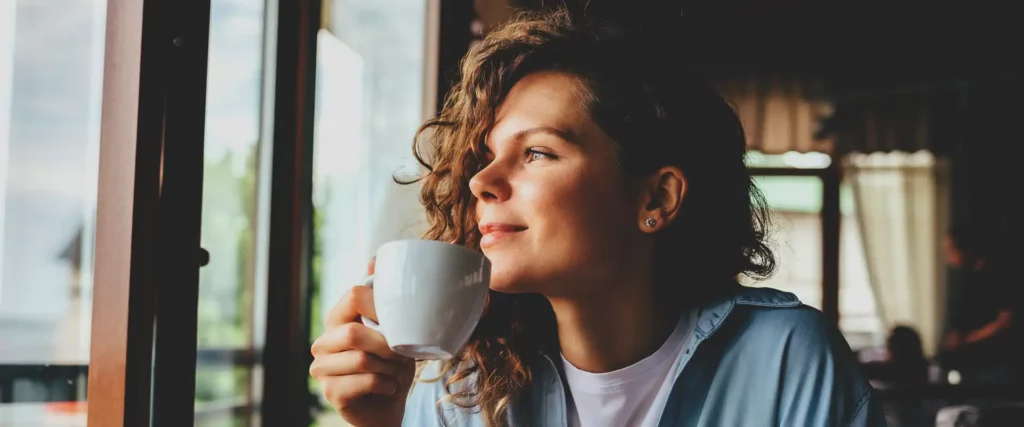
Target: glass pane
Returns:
[[51, 77], [796, 205], [369, 103], [217, 400], [235, 166]]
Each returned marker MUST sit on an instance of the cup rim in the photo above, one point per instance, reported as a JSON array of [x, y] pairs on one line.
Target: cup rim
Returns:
[[439, 244]]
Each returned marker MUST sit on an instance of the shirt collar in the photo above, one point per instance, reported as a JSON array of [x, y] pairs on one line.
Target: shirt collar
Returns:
[[714, 314]]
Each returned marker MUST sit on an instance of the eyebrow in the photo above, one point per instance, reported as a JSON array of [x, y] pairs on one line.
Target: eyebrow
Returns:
[[526, 133]]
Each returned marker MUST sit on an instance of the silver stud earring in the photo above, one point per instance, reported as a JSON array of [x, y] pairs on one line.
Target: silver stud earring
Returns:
[[651, 222]]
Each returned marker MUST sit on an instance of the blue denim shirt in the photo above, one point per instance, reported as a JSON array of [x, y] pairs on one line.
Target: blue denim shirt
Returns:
[[756, 358]]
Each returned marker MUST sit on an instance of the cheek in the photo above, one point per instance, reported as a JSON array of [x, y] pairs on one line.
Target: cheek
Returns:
[[578, 223], [578, 213], [573, 198]]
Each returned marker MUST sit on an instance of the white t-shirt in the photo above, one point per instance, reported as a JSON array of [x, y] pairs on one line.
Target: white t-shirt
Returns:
[[631, 396]]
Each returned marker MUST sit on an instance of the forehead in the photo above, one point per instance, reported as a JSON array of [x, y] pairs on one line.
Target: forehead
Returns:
[[543, 99]]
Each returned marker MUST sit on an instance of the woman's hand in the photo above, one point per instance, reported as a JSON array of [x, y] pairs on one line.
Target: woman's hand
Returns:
[[360, 376]]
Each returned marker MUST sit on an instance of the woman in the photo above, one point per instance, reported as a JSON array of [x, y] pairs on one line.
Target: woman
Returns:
[[608, 188]]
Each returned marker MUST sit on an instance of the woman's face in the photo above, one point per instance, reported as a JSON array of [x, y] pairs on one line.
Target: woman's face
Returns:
[[551, 204]]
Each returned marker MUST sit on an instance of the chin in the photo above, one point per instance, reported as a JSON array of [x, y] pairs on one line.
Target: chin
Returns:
[[512, 282]]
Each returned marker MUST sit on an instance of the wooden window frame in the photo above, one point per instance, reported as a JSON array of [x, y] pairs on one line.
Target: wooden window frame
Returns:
[[143, 353], [126, 214], [142, 371], [831, 217]]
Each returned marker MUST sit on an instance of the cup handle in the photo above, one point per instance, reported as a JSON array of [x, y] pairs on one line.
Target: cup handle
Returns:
[[368, 282]]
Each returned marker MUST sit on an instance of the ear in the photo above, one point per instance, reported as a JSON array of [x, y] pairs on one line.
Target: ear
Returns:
[[661, 195]]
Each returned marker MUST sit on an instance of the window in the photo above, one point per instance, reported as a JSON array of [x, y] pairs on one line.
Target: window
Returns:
[[796, 237], [51, 76], [369, 103], [796, 203], [232, 287]]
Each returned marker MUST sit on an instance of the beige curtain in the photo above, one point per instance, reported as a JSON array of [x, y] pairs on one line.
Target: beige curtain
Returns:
[[902, 205]]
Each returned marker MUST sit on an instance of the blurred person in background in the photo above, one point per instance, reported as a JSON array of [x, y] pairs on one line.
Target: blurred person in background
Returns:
[[984, 314], [903, 363], [908, 365]]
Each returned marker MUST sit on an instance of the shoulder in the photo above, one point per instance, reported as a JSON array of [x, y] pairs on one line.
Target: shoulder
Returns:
[[800, 326], [793, 335], [792, 332], [810, 364], [775, 317], [804, 344]]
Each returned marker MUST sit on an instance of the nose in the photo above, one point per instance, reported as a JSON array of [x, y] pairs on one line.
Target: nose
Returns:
[[491, 184]]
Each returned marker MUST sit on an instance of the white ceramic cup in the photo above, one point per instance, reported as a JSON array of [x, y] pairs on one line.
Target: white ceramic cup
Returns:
[[428, 296]]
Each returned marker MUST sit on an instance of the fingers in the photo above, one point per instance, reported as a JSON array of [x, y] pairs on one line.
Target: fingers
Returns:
[[340, 391], [353, 336], [358, 301], [352, 363]]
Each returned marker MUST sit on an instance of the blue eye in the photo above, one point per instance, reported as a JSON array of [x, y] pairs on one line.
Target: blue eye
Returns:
[[535, 155]]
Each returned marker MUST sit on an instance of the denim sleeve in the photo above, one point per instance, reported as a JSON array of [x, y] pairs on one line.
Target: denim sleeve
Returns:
[[426, 406], [822, 383]]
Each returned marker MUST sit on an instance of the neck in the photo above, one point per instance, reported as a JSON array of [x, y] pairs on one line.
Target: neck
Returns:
[[605, 331]]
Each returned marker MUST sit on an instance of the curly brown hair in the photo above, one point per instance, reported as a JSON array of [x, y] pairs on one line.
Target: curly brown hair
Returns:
[[642, 94]]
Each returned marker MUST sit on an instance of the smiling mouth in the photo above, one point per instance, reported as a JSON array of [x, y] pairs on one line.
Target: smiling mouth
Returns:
[[493, 233]]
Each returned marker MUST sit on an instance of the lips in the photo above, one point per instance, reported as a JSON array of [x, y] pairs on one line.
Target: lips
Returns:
[[493, 227], [493, 232]]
